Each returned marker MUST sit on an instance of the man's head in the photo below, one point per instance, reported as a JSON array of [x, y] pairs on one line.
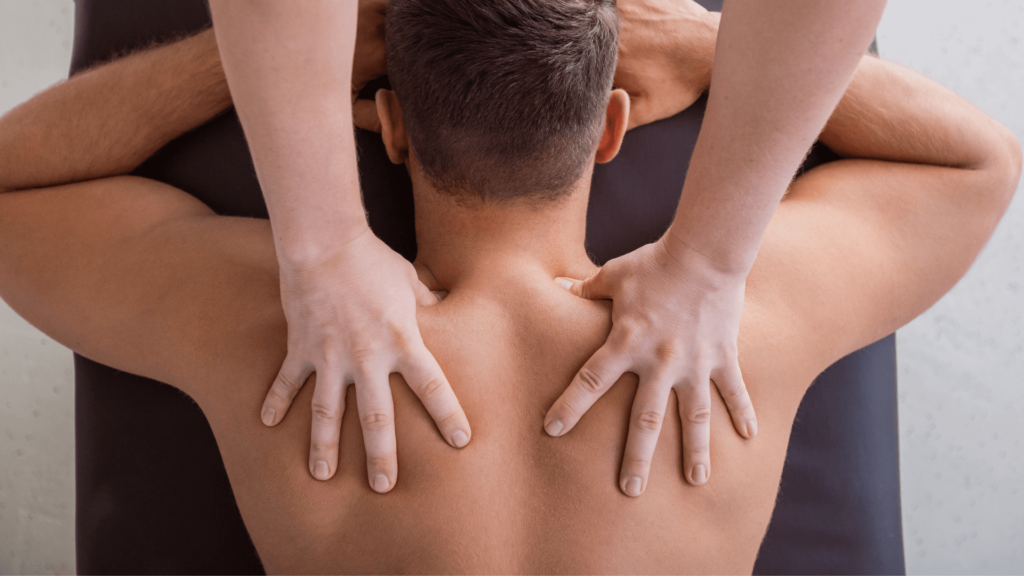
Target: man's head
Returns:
[[501, 99]]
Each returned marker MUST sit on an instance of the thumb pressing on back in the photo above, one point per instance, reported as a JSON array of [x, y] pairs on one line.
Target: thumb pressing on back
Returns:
[[593, 288]]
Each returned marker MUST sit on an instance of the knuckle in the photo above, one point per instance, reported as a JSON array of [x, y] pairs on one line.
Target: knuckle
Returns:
[[284, 385], [613, 271], [649, 421], [282, 396], [635, 463], [590, 381], [699, 415], [432, 388], [320, 447], [376, 420], [325, 412], [442, 421], [399, 335], [363, 357], [734, 393], [378, 462], [669, 351], [628, 331], [698, 452], [566, 409], [729, 350]]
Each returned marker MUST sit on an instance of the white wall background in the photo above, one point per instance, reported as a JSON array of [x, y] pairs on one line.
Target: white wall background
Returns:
[[961, 364], [37, 392]]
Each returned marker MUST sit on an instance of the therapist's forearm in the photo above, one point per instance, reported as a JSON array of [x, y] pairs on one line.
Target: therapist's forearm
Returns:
[[780, 69], [289, 66]]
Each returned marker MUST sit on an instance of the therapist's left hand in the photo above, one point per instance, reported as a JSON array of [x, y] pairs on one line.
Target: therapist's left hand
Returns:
[[675, 323]]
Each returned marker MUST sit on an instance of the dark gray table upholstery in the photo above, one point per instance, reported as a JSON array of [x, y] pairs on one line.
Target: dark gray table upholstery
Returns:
[[153, 496]]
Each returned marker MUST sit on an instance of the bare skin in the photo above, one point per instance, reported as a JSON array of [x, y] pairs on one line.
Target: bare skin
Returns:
[[288, 65], [780, 69], [141, 276]]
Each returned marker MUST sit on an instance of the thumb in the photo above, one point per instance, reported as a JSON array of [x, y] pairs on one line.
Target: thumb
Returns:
[[593, 288], [425, 296], [638, 114]]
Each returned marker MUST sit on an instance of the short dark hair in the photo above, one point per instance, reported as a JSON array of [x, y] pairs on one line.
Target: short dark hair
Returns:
[[503, 98]]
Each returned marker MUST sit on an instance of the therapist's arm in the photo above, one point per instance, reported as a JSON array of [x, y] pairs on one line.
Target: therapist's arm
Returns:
[[779, 70], [350, 300]]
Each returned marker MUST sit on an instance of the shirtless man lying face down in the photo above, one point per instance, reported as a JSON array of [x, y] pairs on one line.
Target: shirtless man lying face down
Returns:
[[141, 276]]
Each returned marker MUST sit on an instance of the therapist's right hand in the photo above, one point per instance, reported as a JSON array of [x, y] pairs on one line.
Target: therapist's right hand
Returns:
[[352, 319]]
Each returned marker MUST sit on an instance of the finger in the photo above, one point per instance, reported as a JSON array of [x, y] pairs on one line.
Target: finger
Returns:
[[600, 372], [425, 296], [364, 115], [594, 288], [377, 418], [289, 381], [729, 381], [325, 431], [644, 428], [638, 115], [426, 379], [695, 413]]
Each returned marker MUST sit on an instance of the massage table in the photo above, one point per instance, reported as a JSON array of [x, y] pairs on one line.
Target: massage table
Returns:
[[152, 493]]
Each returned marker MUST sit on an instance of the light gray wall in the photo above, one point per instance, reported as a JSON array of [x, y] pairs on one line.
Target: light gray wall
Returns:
[[961, 364], [37, 436]]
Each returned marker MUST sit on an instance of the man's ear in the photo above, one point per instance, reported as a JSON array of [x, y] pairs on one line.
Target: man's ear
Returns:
[[615, 123], [392, 128]]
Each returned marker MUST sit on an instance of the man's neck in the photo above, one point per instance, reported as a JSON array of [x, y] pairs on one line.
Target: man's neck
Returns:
[[469, 241]]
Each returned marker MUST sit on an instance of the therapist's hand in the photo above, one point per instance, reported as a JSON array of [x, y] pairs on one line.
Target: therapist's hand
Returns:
[[352, 319], [666, 53], [675, 321]]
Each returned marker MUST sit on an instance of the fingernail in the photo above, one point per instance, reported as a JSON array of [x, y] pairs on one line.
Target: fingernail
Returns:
[[268, 416], [565, 283], [751, 428], [633, 486], [553, 428], [320, 470], [699, 474], [381, 483], [460, 439]]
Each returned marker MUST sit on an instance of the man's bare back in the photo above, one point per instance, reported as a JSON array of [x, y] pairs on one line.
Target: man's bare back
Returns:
[[140, 276]]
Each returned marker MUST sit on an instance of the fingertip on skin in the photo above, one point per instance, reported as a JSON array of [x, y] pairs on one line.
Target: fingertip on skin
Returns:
[[632, 486], [698, 475], [751, 428], [460, 439], [564, 283], [321, 471], [269, 416], [554, 428], [380, 483]]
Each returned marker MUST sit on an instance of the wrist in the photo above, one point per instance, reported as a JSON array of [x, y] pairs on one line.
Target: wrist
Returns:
[[723, 264], [316, 246]]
